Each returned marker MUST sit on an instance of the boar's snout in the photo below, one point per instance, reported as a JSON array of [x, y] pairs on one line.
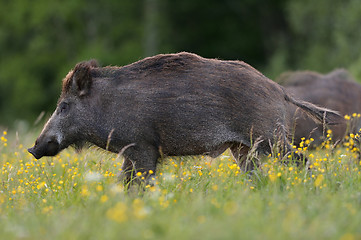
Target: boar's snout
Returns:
[[47, 147], [34, 152]]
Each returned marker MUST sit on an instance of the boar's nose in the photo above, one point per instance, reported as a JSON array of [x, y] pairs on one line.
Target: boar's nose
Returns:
[[49, 147], [33, 152]]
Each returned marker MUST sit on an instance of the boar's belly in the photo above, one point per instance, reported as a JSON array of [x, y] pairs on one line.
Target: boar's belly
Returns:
[[198, 145], [193, 149]]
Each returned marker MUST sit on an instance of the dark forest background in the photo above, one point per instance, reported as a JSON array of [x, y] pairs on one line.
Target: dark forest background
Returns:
[[41, 40]]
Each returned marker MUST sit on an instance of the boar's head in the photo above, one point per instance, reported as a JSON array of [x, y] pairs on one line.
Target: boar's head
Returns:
[[67, 125]]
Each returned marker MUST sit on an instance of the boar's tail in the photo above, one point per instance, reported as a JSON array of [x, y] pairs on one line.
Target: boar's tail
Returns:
[[318, 114]]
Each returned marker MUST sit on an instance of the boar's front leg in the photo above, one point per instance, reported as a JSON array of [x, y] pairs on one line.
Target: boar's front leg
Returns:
[[141, 160]]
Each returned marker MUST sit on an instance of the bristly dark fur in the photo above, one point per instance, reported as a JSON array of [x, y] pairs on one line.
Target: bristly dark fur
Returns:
[[80, 145], [172, 104]]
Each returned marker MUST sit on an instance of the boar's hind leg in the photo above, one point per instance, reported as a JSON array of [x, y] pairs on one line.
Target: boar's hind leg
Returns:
[[140, 158], [240, 152]]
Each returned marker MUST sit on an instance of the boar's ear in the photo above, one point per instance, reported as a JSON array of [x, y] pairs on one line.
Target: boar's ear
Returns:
[[82, 78], [93, 63]]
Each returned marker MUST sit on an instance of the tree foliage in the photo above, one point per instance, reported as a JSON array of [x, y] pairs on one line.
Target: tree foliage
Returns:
[[40, 41], [321, 36]]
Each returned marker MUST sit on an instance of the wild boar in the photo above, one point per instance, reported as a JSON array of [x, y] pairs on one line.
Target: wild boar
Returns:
[[336, 90], [171, 104]]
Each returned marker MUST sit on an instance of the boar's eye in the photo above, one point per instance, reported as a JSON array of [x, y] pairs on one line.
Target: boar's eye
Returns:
[[63, 107]]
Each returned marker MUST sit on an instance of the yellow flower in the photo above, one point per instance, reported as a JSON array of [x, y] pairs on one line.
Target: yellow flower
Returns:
[[139, 210], [40, 185], [118, 213], [84, 191], [201, 219], [272, 177], [103, 198], [319, 180], [139, 174], [348, 236], [230, 208], [47, 209], [347, 117]]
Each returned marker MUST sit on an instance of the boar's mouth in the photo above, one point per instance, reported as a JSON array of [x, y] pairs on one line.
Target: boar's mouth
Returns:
[[50, 148]]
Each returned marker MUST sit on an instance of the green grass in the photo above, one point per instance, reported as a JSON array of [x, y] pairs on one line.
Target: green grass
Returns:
[[76, 196]]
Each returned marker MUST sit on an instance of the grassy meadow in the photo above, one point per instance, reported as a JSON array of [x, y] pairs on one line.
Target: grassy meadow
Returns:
[[76, 196]]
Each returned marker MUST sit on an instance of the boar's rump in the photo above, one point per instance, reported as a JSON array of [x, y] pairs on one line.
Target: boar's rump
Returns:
[[175, 104]]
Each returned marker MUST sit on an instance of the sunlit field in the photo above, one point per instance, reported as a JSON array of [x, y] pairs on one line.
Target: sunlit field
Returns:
[[76, 196]]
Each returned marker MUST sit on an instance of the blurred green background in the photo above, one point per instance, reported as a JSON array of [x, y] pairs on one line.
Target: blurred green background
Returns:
[[41, 40]]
